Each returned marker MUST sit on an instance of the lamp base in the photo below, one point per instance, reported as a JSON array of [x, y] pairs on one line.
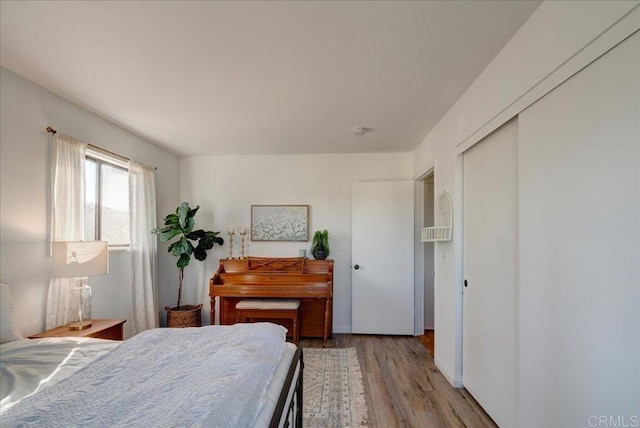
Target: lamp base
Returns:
[[79, 325]]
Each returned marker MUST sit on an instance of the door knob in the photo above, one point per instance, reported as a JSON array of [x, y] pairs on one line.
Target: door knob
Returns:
[[465, 282], [356, 267]]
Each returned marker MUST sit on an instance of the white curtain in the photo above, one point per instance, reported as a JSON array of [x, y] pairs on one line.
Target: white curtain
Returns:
[[143, 247], [67, 217]]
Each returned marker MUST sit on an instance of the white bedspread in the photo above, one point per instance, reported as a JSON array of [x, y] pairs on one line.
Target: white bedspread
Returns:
[[28, 366], [210, 376]]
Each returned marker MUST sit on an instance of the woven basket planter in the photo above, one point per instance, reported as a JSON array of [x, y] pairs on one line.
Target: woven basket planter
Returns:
[[187, 316]]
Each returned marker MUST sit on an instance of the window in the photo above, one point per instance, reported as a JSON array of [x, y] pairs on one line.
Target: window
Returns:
[[107, 199]]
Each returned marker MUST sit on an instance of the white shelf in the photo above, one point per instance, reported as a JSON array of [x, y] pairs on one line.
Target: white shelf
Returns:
[[437, 233], [442, 232]]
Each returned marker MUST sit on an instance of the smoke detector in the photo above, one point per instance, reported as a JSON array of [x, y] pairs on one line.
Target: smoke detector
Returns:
[[358, 130]]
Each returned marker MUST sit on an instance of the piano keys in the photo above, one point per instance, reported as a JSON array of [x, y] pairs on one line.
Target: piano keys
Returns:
[[310, 281]]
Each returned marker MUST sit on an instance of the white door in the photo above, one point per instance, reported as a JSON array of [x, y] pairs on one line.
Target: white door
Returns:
[[490, 315], [382, 258]]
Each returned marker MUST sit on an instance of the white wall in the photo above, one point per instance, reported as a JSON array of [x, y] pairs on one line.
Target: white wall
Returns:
[[226, 186], [558, 39], [25, 111]]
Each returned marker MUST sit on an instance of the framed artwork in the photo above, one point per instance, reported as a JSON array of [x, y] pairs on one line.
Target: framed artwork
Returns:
[[279, 222]]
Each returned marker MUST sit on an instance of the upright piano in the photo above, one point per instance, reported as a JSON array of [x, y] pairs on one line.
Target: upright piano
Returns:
[[310, 281]]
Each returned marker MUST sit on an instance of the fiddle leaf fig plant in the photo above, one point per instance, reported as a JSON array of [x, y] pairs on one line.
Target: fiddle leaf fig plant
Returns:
[[181, 225]]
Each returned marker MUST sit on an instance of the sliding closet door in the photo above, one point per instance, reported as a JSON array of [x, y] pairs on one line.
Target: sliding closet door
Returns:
[[580, 247], [490, 316]]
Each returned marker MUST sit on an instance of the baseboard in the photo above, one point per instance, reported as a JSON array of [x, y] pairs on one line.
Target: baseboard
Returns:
[[341, 328], [456, 382]]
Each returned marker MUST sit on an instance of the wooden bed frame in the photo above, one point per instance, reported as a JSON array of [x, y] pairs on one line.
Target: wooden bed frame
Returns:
[[288, 411]]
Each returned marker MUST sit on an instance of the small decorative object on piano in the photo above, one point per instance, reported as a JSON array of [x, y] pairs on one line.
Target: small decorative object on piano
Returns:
[[181, 225], [243, 233], [231, 233], [320, 245]]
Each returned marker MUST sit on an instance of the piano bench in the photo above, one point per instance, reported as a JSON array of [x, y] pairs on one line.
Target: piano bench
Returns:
[[261, 309]]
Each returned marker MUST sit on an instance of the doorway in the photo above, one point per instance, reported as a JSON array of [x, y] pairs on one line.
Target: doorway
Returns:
[[429, 267], [425, 328]]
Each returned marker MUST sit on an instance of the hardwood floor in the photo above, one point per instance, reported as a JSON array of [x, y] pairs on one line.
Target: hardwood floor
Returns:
[[403, 387], [428, 340]]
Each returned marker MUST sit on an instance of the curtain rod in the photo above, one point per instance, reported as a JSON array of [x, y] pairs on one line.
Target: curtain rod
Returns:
[[53, 131]]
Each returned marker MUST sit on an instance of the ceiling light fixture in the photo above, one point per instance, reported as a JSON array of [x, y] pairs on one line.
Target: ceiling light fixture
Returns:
[[358, 130]]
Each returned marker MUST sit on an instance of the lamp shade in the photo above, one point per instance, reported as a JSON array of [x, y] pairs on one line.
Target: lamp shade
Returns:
[[72, 259]]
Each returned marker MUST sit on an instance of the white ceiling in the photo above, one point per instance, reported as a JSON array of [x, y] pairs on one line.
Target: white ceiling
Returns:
[[261, 77]]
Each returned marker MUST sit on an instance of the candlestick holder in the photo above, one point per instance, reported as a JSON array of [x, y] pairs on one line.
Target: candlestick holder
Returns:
[[243, 233], [231, 233]]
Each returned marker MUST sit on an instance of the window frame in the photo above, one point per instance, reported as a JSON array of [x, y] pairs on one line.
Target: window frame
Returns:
[[101, 158]]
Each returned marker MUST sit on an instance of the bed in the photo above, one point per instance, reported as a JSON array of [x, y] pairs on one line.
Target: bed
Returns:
[[244, 375]]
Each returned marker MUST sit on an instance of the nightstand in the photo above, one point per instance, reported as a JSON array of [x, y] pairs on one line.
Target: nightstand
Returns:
[[100, 329]]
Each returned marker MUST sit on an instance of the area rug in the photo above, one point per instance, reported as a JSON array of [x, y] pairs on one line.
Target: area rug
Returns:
[[333, 389]]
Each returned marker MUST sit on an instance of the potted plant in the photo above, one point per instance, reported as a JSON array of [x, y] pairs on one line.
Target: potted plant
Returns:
[[320, 245], [180, 225]]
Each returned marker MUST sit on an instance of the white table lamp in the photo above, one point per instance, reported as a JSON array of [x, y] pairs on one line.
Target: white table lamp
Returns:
[[78, 260]]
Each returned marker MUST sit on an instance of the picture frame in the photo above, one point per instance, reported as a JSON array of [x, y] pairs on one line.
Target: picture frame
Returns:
[[287, 223]]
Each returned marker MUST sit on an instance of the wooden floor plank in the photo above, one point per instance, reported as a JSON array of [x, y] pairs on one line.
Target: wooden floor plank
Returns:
[[403, 387], [428, 340]]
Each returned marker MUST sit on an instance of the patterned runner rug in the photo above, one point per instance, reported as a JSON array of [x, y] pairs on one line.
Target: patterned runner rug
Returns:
[[333, 389]]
